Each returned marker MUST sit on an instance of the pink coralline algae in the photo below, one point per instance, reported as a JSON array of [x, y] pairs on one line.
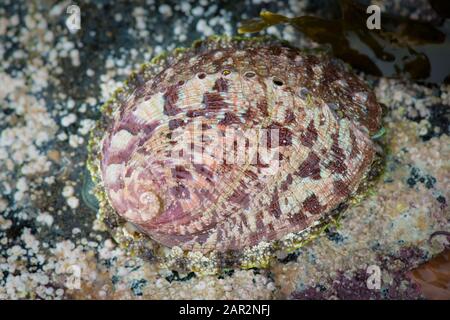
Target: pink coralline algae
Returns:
[[223, 97]]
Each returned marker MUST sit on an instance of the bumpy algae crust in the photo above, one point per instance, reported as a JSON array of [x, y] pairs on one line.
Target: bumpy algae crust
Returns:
[[258, 256]]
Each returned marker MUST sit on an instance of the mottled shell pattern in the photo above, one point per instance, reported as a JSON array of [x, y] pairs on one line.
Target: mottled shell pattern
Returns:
[[324, 116]]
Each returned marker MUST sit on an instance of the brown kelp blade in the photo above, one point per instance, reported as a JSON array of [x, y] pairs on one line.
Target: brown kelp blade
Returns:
[[402, 47]]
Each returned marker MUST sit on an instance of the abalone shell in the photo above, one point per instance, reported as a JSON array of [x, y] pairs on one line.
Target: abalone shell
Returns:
[[322, 114]]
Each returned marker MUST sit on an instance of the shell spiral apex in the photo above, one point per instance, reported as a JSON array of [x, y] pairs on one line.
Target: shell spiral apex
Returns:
[[230, 145]]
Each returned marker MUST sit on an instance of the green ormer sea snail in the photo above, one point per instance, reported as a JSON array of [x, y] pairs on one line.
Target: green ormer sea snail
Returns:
[[214, 213]]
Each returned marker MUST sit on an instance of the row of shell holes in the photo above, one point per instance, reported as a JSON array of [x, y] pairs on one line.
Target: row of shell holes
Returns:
[[248, 74]]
